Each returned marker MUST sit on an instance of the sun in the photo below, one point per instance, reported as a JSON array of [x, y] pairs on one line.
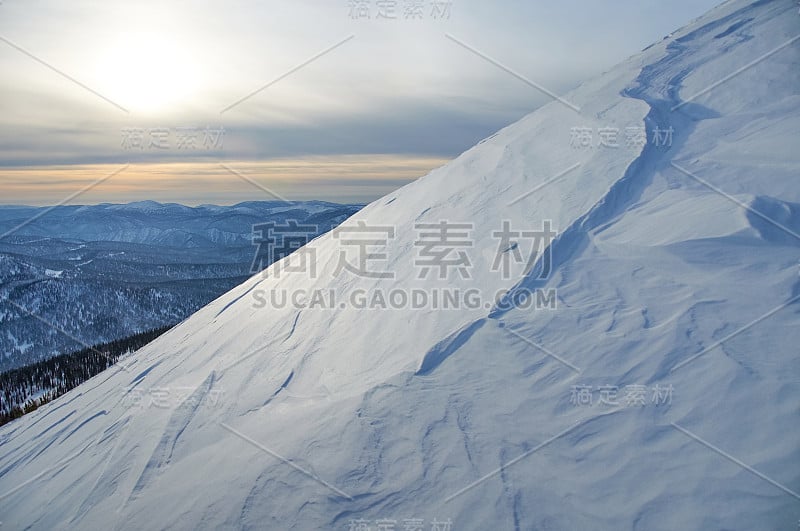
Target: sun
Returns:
[[148, 72]]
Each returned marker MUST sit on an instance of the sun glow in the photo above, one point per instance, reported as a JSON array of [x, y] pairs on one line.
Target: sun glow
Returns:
[[148, 72]]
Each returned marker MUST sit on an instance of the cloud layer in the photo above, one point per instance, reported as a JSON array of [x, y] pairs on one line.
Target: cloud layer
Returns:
[[290, 80]]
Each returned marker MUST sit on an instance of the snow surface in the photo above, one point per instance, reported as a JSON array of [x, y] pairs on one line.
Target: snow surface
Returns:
[[322, 418]]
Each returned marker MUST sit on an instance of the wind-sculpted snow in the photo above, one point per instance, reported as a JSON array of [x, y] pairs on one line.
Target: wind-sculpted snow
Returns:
[[661, 392]]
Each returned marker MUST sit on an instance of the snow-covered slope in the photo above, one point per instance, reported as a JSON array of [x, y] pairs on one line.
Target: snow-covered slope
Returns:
[[676, 270]]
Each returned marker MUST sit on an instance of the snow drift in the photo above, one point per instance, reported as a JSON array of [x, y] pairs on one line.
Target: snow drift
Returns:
[[661, 393]]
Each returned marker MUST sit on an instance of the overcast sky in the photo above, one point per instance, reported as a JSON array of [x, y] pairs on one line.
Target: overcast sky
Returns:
[[382, 94]]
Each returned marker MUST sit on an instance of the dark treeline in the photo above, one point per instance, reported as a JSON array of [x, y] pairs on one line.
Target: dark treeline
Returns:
[[24, 389]]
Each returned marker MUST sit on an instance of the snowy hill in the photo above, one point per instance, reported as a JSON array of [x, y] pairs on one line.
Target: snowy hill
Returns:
[[662, 392]]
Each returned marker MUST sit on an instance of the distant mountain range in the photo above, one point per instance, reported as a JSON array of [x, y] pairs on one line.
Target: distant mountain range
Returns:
[[77, 275]]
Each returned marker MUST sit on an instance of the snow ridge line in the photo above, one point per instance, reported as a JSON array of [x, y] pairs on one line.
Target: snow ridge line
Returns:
[[626, 191], [623, 193], [575, 237]]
